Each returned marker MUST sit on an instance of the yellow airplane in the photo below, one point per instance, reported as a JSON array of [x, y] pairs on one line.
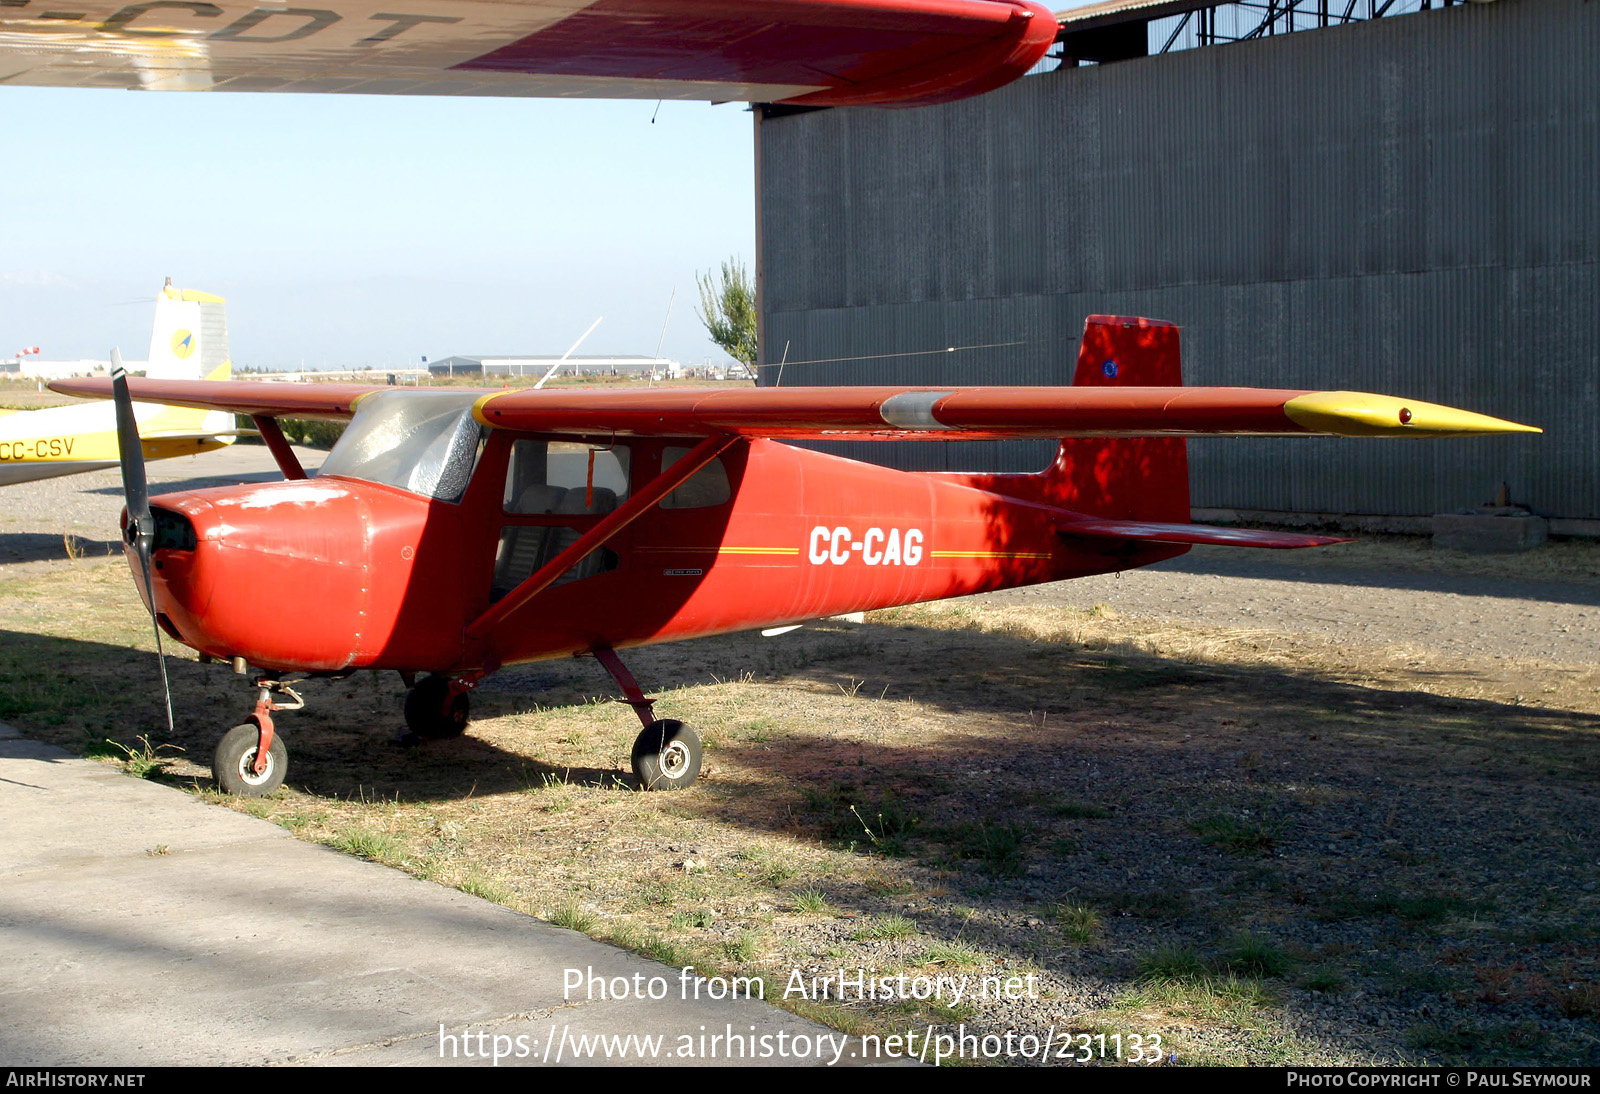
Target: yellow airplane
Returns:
[[190, 341]]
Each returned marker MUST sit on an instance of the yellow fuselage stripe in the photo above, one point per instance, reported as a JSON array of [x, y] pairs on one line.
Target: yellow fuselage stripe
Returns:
[[725, 550]]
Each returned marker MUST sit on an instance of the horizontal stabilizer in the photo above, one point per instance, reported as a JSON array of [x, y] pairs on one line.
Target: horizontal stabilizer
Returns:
[[188, 435], [1193, 533]]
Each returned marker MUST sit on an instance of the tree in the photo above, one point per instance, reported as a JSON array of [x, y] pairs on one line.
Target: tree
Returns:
[[728, 309]]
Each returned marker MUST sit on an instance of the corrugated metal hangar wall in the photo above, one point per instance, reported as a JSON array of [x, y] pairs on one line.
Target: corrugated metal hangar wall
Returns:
[[1409, 206]]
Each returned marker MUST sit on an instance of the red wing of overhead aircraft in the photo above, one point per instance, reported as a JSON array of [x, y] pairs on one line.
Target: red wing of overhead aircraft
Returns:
[[802, 52], [454, 532]]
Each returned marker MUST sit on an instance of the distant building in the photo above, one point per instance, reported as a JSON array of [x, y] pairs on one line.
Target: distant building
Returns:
[[632, 365], [33, 368]]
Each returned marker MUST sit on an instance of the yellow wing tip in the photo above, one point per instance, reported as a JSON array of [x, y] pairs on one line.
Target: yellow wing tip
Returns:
[[1358, 414]]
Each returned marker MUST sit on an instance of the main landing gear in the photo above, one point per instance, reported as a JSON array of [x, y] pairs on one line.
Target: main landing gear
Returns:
[[437, 707], [666, 754]]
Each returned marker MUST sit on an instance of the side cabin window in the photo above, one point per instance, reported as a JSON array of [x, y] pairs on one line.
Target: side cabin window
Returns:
[[705, 488], [557, 488]]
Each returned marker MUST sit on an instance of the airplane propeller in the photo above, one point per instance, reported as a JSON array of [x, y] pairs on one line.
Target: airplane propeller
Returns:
[[140, 533]]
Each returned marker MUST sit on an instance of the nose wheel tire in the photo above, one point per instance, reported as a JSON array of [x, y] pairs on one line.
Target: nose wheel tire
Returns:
[[432, 712], [666, 756], [233, 764]]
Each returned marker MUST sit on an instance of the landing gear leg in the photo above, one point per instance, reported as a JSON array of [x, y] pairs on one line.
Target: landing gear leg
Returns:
[[666, 754], [251, 759]]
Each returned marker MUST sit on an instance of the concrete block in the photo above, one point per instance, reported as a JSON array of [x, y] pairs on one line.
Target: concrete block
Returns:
[[1490, 530]]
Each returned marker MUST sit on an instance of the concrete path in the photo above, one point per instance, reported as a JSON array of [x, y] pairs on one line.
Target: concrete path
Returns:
[[141, 926]]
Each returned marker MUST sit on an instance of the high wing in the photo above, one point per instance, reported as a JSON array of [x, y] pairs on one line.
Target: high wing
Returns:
[[975, 413], [801, 52], [257, 398]]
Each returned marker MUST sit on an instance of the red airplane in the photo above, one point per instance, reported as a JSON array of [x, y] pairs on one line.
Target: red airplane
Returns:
[[454, 533]]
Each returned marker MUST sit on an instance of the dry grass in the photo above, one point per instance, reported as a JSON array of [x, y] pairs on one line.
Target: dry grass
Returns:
[[19, 393], [959, 790]]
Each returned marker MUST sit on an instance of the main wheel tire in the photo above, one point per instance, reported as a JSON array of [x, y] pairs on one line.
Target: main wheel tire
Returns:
[[233, 764], [666, 755], [432, 712]]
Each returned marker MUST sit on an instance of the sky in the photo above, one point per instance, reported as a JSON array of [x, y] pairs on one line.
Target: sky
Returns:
[[355, 231]]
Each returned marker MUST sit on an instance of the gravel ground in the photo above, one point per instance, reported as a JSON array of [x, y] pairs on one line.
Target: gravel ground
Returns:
[[35, 517], [1327, 593]]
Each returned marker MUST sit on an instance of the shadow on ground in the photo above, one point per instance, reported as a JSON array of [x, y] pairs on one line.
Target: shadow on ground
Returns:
[[53, 547], [1330, 571]]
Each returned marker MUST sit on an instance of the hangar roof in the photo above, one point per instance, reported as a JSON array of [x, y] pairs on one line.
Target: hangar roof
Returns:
[[1115, 30], [1121, 11]]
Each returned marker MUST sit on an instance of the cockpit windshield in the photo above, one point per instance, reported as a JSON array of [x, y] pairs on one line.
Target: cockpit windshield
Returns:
[[421, 441]]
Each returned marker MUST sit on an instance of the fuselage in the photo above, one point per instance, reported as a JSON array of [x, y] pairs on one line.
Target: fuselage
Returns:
[[64, 440], [337, 572]]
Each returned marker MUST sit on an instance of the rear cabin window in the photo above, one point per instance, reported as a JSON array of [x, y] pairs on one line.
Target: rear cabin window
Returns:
[[705, 488], [558, 477]]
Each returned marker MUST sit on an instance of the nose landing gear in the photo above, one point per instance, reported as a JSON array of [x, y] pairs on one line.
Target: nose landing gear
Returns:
[[251, 760], [666, 754]]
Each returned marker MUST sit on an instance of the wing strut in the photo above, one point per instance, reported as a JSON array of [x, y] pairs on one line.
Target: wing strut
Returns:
[[278, 445], [625, 514]]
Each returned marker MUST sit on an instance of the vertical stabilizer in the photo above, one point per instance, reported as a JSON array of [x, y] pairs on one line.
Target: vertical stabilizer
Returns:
[[189, 342], [1124, 478], [190, 337], [1118, 478]]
